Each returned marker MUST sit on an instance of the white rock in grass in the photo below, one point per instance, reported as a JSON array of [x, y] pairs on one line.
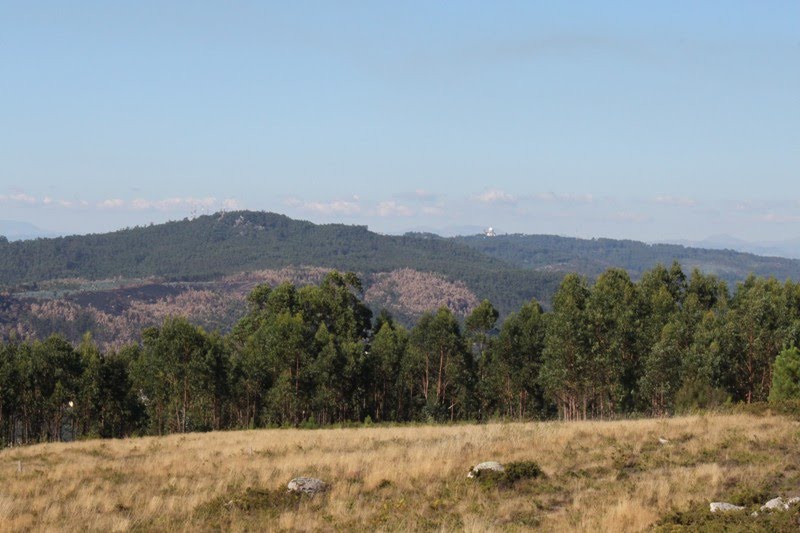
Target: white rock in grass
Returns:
[[793, 501], [775, 504], [307, 485], [491, 466], [721, 507]]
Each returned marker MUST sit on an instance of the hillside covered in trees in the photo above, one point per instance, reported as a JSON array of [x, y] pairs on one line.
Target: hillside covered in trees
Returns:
[[213, 246], [316, 355], [116, 284], [591, 257]]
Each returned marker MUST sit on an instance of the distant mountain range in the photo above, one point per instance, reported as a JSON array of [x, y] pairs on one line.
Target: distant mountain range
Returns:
[[787, 248], [115, 283], [16, 231]]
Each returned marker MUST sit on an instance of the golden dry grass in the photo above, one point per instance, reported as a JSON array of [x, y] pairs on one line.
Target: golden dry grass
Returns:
[[601, 476]]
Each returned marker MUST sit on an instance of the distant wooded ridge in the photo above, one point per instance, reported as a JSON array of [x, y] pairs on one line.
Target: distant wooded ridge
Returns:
[[507, 269]]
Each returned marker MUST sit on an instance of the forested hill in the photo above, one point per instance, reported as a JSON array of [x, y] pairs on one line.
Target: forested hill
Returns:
[[508, 269], [591, 257], [210, 246]]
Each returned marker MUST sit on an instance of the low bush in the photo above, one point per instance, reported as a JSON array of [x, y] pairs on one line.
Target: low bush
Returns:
[[514, 473]]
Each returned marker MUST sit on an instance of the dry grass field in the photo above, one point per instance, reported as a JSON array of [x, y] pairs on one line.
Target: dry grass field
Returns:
[[600, 476]]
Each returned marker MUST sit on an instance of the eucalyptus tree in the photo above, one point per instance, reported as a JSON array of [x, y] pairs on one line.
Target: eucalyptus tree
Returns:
[[477, 328], [566, 365], [614, 360], [510, 382], [175, 374], [442, 366], [10, 392], [386, 358], [758, 327]]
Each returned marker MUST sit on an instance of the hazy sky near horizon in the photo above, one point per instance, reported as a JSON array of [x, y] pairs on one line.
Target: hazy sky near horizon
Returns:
[[643, 120]]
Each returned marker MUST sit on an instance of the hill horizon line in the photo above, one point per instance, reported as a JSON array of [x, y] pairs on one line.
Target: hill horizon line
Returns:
[[20, 230]]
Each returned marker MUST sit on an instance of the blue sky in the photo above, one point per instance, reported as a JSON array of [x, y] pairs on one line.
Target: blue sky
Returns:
[[644, 120]]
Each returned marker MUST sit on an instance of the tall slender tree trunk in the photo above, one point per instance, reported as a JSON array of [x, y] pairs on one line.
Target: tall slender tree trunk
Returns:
[[426, 379], [439, 395]]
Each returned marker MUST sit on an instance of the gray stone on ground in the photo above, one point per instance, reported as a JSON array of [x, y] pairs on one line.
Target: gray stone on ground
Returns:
[[307, 485], [491, 466], [721, 507], [775, 504], [793, 501]]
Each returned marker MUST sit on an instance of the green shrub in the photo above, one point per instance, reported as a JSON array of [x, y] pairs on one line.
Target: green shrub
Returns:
[[514, 473], [250, 501], [786, 376], [698, 517], [698, 394], [522, 470]]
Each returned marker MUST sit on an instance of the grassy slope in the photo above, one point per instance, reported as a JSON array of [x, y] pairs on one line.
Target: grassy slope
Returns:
[[601, 476]]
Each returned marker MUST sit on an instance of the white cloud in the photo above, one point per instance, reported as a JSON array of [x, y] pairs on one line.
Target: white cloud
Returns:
[[495, 196], [336, 207], [418, 195], [675, 200], [139, 203], [113, 203], [23, 198], [434, 210], [292, 201], [624, 216], [779, 219], [207, 202], [230, 203], [19, 198], [545, 196], [391, 208], [564, 198], [168, 204], [174, 204]]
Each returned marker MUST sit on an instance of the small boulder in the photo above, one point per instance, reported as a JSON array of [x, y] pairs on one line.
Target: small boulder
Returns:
[[775, 504], [722, 507], [793, 501], [489, 466], [307, 485]]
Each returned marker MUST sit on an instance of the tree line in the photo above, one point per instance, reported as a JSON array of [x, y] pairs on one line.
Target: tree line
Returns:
[[316, 355]]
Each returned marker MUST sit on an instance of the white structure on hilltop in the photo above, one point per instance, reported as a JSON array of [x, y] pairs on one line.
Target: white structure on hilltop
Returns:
[[490, 232]]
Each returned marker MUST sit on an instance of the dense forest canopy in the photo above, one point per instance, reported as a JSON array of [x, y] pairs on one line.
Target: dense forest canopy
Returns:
[[316, 355]]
